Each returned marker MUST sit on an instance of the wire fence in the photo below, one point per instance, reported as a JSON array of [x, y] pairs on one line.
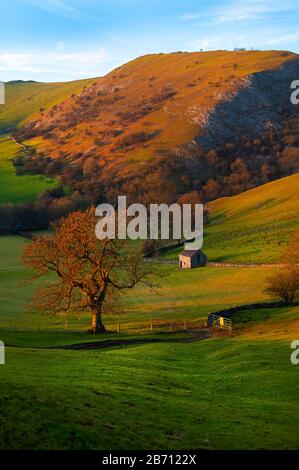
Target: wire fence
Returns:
[[116, 326]]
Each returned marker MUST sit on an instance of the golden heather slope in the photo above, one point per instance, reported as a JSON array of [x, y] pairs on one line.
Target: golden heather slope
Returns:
[[152, 104]]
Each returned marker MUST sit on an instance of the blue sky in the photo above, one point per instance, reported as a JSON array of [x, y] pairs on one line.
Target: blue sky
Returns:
[[54, 40]]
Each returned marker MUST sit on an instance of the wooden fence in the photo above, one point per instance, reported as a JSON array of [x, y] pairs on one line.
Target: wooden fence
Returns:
[[116, 326], [223, 318], [217, 321]]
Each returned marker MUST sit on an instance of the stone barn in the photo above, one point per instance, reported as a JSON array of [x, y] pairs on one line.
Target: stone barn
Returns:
[[190, 259]]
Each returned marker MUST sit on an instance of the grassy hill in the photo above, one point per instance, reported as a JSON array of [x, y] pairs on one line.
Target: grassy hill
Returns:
[[25, 99], [253, 226], [154, 121], [221, 393], [18, 189], [167, 96]]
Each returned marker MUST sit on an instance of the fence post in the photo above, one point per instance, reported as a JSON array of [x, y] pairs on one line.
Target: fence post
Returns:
[[118, 326], [185, 325], [170, 326], [66, 324], [152, 326]]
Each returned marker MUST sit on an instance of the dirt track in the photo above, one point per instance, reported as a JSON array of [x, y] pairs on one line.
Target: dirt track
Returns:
[[196, 335]]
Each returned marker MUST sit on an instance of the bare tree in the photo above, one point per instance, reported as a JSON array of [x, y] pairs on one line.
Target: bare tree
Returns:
[[89, 274], [285, 285]]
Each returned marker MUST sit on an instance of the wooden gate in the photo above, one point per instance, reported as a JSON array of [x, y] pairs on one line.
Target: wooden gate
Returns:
[[220, 322]]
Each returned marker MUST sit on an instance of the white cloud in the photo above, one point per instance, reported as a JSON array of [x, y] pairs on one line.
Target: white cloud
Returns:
[[285, 38], [84, 63], [192, 16], [253, 9], [241, 10], [225, 41], [265, 39], [60, 7]]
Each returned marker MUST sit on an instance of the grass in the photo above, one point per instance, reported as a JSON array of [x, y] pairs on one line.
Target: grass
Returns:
[[24, 100], [270, 325], [178, 118], [18, 189], [218, 394], [235, 392], [49, 338], [183, 295], [253, 226]]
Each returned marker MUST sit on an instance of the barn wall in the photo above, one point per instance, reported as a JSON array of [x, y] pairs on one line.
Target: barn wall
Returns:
[[186, 262]]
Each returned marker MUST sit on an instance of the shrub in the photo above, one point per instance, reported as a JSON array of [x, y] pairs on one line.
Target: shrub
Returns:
[[285, 285], [136, 138]]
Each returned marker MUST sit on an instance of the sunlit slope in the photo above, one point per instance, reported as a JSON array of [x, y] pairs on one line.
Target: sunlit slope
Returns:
[[254, 225], [18, 189], [25, 99], [166, 97]]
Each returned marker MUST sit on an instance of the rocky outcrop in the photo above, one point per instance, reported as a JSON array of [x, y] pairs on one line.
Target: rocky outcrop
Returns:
[[256, 106]]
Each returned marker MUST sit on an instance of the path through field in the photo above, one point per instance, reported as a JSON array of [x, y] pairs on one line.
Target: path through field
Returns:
[[196, 335]]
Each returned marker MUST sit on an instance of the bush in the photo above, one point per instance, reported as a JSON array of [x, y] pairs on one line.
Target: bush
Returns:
[[285, 285], [136, 138]]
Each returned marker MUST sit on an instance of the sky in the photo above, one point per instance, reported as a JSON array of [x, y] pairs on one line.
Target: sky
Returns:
[[60, 40]]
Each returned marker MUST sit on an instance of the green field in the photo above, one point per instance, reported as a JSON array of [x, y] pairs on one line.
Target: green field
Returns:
[[18, 189], [234, 390], [23, 100], [251, 227], [190, 294], [238, 392], [218, 394]]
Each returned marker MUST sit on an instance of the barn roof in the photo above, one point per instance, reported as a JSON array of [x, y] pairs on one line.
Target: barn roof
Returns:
[[189, 253]]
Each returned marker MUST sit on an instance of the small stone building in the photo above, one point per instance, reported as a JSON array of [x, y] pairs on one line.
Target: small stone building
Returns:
[[190, 259]]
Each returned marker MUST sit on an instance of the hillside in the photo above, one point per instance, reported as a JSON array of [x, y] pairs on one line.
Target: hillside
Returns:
[[254, 225], [216, 122], [24, 100], [22, 188], [82, 394]]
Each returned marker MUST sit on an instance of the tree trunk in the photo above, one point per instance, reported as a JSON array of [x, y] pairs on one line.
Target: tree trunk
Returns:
[[97, 326]]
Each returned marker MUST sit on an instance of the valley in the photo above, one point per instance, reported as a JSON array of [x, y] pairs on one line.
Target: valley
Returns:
[[178, 385], [184, 127]]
